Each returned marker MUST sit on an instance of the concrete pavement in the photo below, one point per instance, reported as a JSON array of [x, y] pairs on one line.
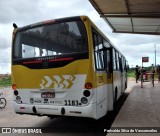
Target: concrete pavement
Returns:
[[140, 110]]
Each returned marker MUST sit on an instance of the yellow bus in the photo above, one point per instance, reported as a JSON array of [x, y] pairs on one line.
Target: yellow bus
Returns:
[[65, 67]]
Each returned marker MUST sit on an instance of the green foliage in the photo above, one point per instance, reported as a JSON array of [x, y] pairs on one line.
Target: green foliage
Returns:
[[5, 81], [131, 73], [148, 68]]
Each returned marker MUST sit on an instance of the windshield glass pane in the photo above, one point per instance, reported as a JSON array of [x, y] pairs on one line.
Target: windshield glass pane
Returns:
[[50, 40]]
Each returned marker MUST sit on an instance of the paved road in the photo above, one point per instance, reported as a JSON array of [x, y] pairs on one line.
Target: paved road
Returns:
[[9, 119]]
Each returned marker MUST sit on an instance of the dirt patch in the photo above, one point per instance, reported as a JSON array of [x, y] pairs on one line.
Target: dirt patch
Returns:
[[131, 79]]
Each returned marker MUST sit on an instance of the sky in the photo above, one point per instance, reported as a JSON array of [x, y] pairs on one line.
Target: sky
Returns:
[[25, 12]]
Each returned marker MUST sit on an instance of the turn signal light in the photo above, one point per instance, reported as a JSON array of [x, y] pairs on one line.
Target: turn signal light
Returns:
[[88, 85], [14, 87]]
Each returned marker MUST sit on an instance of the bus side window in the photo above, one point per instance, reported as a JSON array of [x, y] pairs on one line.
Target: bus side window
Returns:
[[120, 64], [126, 66], [117, 60], [123, 64], [98, 51], [109, 64], [114, 60]]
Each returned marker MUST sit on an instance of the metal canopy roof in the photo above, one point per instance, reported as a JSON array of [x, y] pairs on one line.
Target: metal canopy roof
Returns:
[[130, 16]]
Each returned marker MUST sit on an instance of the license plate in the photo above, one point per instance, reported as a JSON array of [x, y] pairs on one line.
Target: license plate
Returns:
[[48, 95]]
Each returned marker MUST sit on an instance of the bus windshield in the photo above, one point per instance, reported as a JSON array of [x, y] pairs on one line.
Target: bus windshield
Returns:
[[49, 40]]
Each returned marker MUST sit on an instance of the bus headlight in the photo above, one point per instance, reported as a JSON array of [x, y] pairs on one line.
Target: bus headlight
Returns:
[[18, 99], [84, 100]]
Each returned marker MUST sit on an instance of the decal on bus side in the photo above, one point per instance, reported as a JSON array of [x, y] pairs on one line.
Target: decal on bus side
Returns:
[[61, 82]]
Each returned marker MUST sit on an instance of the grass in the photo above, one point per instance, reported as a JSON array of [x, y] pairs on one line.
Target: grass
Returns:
[[131, 74], [5, 81]]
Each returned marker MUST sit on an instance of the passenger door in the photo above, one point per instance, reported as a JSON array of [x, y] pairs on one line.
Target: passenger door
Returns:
[[108, 62], [121, 74], [109, 77]]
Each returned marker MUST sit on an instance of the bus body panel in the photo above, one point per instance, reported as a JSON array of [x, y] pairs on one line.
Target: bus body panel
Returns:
[[87, 111], [65, 84], [117, 83], [35, 77]]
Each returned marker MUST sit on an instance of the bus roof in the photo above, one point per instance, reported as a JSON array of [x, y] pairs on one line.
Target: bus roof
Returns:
[[47, 22]]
